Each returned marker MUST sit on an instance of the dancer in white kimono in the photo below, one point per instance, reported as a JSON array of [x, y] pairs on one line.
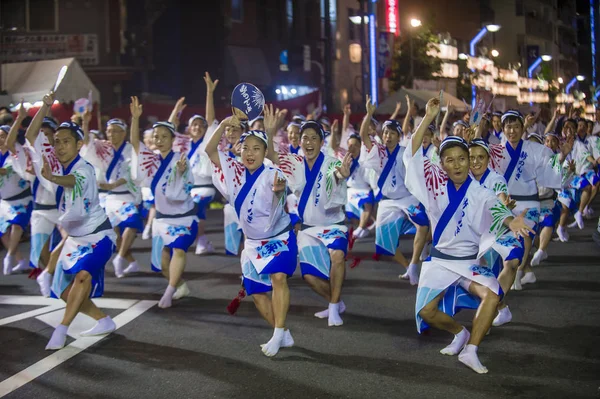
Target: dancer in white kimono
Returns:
[[44, 218], [525, 165], [270, 251], [398, 210], [15, 195], [79, 273], [175, 226], [122, 197], [465, 218], [200, 130], [319, 182]]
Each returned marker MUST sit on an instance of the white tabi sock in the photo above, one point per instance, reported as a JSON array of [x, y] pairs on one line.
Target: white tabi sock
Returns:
[[504, 316], [165, 301], [181, 292], [119, 265], [579, 219], [517, 284], [103, 326], [538, 257], [272, 347], [9, 263], [325, 313], [23, 265], [44, 280], [334, 319], [469, 358], [459, 341], [58, 339], [528, 278], [563, 234], [132, 268], [413, 274], [147, 232]]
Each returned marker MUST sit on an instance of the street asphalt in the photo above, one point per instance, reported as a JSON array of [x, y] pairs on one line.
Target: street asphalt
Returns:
[[195, 349]]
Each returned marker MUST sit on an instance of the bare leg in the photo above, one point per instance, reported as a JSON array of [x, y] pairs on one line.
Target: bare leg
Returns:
[[263, 304], [176, 267], [16, 232], [127, 240], [45, 255], [165, 260], [420, 240], [545, 237], [485, 312], [525, 267], [80, 291], [507, 276], [319, 286], [440, 320], [336, 274], [365, 216], [281, 298], [54, 255], [88, 307], [586, 195]]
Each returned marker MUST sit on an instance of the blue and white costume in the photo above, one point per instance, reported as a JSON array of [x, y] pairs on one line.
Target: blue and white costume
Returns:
[[524, 168], [15, 194], [270, 244], [465, 225], [203, 191], [359, 190], [176, 222], [398, 210], [44, 218], [91, 239], [122, 203], [320, 209]]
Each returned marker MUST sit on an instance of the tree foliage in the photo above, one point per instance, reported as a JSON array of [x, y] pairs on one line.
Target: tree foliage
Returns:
[[424, 65]]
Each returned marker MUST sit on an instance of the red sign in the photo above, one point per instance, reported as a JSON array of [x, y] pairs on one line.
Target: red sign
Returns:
[[392, 16]]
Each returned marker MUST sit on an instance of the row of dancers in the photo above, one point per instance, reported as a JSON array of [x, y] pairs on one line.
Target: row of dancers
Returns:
[[474, 203]]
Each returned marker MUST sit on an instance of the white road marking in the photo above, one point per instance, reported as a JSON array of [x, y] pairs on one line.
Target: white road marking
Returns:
[[48, 363], [31, 313]]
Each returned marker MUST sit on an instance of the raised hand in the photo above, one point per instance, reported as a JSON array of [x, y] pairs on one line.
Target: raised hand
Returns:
[[436, 141], [182, 164], [571, 166], [347, 109], [370, 107], [46, 170], [22, 111], [210, 84], [281, 114], [86, 117], [180, 105], [433, 107], [398, 107], [135, 107], [335, 127], [270, 115], [510, 203], [48, 99], [279, 183], [519, 227], [567, 146], [344, 168]]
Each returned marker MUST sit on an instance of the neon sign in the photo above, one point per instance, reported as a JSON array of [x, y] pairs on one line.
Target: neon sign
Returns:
[[392, 16]]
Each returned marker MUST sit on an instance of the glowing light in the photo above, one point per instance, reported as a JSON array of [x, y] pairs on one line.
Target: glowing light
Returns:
[[293, 91], [593, 40], [546, 57], [493, 28], [495, 53], [392, 16], [284, 89], [463, 56], [580, 78], [561, 81], [277, 91], [415, 23], [373, 58], [356, 19]]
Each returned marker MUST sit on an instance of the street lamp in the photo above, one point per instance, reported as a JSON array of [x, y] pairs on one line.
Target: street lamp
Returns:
[[578, 78], [561, 81], [488, 28], [495, 53], [356, 19], [415, 23], [534, 66]]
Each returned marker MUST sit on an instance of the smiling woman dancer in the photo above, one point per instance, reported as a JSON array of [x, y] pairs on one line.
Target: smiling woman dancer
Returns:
[[79, 273], [270, 251], [465, 218], [176, 224]]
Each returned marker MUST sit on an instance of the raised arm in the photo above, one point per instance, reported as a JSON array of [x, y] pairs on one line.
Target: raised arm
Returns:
[[346, 121], [65, 181], [210, 101], [177, 110], [397, 110], [552, 122], [406, 123], [36, 123], [445, 121], [212, 147], [87, 117], [14, 129], [336, 136], [270, 122], [136, 111], [431, 110], [364, 127]]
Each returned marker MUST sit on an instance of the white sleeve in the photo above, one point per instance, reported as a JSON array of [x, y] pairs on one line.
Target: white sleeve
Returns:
[[144, 165], [425, 180], [77, 198]]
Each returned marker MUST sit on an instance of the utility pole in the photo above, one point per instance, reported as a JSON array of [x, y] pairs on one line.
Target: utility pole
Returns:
[[364, 55], [328, 58]]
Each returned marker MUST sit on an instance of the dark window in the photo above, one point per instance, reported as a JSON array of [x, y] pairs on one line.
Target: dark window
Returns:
[[42, 15], [237, 10], [12, 14], [519, 8]]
